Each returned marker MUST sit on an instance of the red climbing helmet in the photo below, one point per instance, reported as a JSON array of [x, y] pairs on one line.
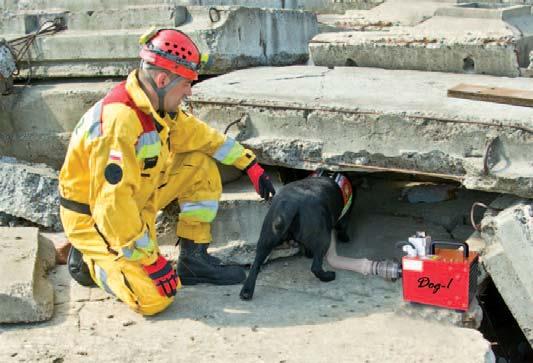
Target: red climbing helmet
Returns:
[[172, 50]]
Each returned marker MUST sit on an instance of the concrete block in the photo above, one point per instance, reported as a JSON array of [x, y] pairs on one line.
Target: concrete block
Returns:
[[236, 37], [30, 192], [367, 119], [25, 294], [507, 258], [236, 228]]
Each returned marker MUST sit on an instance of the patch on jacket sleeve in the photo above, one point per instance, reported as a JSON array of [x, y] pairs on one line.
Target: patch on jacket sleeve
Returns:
[[113, 173], [115, 155]]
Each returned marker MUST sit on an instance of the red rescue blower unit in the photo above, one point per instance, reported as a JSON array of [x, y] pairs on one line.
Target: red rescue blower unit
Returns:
[[439, 273]]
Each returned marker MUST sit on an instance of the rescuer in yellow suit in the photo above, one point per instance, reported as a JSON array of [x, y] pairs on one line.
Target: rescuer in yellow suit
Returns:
[[134, 152]]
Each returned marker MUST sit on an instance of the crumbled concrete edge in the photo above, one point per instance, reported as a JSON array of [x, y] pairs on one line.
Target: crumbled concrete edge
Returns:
[[30, 191], [507, 257]]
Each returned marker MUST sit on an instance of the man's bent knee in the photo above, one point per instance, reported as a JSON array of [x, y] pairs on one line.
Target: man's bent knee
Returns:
[[154, 307]]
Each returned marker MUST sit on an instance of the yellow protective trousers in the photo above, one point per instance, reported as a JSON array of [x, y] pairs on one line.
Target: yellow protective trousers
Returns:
[[194, 180]]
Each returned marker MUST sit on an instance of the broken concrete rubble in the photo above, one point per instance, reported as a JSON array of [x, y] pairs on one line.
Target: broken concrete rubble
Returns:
[[25, 293], [30, 192], [236, 37], [374, 120], [508, 256]]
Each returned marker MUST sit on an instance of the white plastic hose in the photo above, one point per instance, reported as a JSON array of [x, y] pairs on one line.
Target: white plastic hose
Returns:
[[361, 265]]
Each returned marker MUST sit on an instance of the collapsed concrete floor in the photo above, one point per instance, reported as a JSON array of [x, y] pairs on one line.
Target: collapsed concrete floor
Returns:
[[345, 119]]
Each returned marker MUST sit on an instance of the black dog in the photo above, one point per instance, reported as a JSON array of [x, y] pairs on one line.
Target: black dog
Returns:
[[306, 211]]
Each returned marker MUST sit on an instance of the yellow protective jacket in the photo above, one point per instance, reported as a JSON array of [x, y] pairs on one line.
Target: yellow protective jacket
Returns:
[[115, 158]]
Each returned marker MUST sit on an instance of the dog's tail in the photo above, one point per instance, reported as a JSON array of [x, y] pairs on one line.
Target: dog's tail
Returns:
[[283, 218]]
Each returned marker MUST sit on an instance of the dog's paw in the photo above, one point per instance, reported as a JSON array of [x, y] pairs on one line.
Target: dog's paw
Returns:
[[246, 294], [327, 276]]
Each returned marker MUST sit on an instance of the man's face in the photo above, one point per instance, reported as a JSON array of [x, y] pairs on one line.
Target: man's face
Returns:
[[174, 97]]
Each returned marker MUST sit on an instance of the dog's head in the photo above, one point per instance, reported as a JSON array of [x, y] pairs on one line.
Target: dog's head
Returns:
[[333, 175]]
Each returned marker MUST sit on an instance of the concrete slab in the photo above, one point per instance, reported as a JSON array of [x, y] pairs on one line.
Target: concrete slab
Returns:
[[236, 37], [130, 17], [457, 39], [507, 258], [25, 293], [37, 120], [293, 317], [372, 119], [389, 14], [30, 192], [389, 109]]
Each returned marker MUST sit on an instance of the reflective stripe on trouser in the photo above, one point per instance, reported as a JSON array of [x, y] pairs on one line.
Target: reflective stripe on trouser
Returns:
[[192, 178], [124, 279]]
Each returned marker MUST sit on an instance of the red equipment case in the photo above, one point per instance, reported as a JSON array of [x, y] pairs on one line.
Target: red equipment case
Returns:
[[446, 277]]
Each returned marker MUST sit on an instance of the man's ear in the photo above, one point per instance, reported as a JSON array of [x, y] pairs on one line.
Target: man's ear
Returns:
[[161, 79]]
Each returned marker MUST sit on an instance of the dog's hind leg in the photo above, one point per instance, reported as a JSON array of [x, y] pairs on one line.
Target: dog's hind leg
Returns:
[[247, 291], [317, 269]]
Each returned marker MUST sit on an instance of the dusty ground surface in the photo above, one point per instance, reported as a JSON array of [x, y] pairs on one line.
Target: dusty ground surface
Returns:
[[292, 318]]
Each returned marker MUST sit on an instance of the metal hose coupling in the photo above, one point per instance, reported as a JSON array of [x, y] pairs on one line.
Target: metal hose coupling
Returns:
[[387, 269]]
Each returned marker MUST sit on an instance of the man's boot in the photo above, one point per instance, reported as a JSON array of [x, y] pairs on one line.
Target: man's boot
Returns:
[[196, 266], [78, 268]]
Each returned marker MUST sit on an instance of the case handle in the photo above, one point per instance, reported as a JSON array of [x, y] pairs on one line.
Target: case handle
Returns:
[[449, 244]]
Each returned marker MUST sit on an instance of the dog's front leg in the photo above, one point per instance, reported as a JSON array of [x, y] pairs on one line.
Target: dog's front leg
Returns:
[[316, 268], [342, 228]]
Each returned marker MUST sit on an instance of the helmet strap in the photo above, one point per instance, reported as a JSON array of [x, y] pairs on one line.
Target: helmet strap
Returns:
[[162, 92]]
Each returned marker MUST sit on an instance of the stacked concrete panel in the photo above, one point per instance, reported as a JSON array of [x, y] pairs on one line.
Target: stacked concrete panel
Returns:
[[463, 38], [36, 121], [104, 42]]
